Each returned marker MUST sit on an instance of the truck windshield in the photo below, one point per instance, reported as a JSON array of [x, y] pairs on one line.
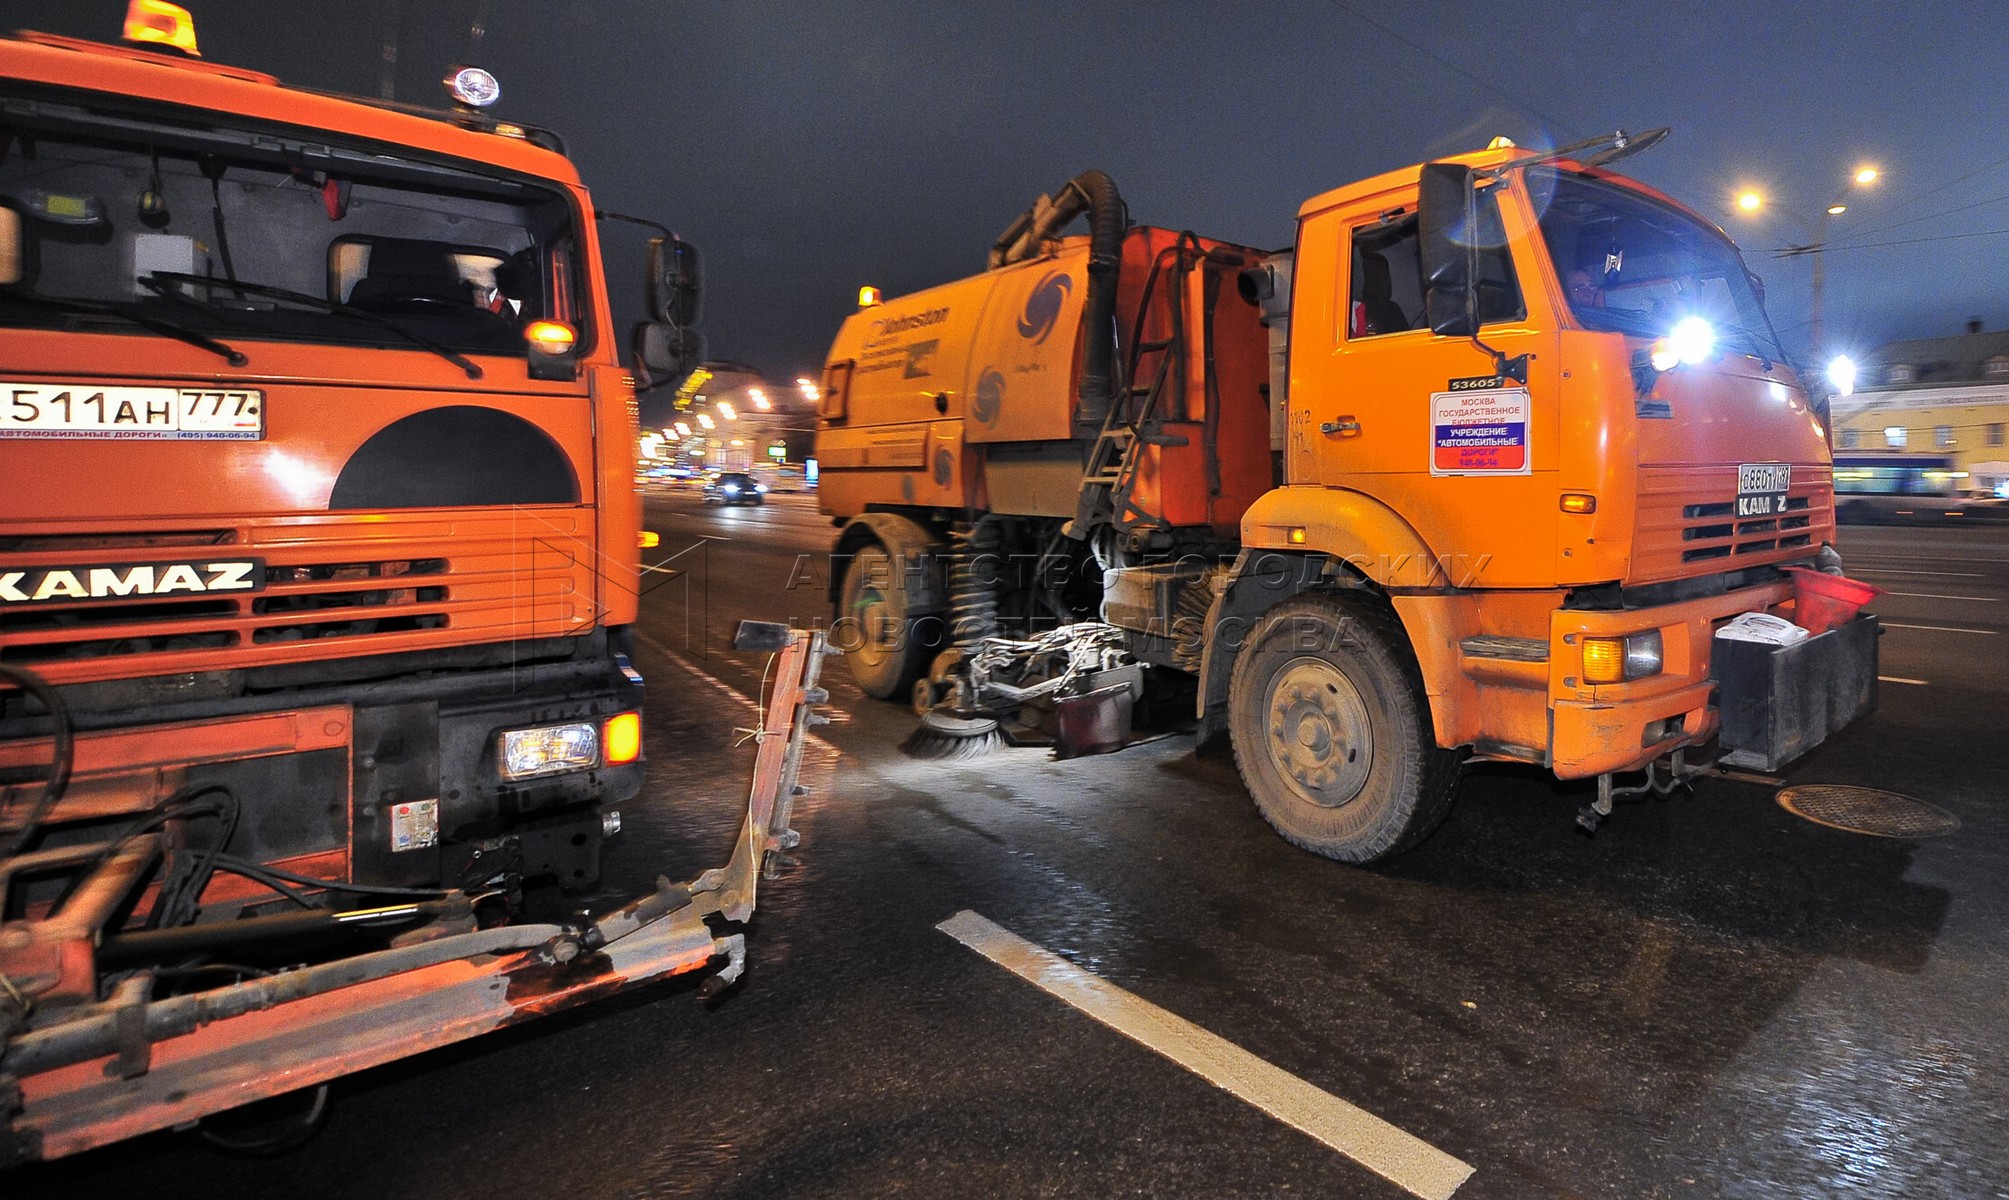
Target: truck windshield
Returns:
[[154, 220], [1631, 264]]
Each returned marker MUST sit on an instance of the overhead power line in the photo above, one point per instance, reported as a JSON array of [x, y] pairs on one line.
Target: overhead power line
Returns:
[[1908, 201], [1796, 251], [1456, 69]]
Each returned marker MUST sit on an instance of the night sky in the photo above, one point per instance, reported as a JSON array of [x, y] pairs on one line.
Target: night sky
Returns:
[[809, 148]]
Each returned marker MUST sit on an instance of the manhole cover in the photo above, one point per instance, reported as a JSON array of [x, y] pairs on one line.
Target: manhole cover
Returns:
[[1867, 810]]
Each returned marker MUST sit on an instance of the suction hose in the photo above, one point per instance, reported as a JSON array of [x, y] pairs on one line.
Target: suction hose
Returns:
[[1094, 193]]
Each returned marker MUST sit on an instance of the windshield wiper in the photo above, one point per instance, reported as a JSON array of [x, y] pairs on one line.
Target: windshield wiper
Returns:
[[167, 329], [161, 284]]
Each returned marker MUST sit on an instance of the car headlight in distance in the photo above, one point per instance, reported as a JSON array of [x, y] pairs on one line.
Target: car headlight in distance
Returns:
[[1621, 659], [549, 750]]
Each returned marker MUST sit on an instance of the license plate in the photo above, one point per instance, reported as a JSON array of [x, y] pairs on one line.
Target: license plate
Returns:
[[1761, 489], [68, 410]]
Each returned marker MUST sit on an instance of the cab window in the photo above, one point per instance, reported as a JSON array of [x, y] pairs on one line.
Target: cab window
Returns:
[[131, 218], [1387, 275]]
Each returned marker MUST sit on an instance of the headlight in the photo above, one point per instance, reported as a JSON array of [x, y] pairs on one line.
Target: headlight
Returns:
[[1620, 659], [759, 487], [549, 750], [1692, 339]]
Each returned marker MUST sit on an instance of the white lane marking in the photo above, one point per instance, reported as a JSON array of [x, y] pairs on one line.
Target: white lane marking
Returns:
[[727, 690], [1940, 628], [1933, 574], [1900, 679], [1944, 596], [1399, 1157]]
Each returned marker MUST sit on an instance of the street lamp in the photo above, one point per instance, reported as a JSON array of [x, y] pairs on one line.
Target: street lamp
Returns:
[[1751, 201]]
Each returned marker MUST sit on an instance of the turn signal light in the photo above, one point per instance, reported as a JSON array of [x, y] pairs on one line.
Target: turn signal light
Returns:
[[622, 738], [1579, 502], [649, 539], [1620, 659], [550, 337]]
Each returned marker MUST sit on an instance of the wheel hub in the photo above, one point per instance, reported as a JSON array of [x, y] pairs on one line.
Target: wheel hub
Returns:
[[878, 625], [1319, 732]]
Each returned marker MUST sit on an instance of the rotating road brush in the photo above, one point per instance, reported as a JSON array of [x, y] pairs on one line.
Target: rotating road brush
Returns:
[[943, 737]]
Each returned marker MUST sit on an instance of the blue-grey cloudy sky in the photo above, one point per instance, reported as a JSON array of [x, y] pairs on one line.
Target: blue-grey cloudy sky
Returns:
[[812, 147]]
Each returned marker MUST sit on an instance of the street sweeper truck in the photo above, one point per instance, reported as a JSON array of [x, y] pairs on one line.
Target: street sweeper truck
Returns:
[[1474, 471]]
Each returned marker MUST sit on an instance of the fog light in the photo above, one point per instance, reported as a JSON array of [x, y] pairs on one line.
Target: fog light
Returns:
[[1620, 659], [623, 738], [548, 750]]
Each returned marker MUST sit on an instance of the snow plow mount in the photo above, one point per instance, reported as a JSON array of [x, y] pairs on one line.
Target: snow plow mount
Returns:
[[116, 1062]]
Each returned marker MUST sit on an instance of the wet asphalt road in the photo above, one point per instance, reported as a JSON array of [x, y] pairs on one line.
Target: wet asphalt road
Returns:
[[1709, 998]]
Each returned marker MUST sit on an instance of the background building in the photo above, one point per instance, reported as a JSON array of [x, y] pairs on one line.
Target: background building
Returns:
[[1938, 396]]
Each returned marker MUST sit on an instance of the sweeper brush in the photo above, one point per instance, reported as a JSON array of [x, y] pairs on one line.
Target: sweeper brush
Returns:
[[942, 737]]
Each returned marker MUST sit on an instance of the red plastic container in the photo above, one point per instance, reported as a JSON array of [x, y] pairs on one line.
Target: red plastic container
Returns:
[[1821, 601]]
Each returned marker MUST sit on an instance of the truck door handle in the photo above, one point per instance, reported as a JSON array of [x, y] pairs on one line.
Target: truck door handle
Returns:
[[1344, 427]]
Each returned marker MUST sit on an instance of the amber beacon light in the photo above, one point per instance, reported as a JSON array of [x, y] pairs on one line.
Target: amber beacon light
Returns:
[[157, 23], [550, 337]]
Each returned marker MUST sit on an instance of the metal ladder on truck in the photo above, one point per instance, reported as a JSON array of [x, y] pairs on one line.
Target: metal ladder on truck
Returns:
[[1133, 422]]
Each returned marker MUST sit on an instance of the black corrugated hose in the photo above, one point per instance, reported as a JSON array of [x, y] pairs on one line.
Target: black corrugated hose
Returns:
[[65, 756]]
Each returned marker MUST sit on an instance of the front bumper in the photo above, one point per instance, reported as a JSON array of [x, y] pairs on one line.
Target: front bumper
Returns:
[[82, 1074], [1597, 729]]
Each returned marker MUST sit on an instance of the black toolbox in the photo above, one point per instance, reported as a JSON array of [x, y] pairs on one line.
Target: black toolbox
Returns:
[[1778, 702]]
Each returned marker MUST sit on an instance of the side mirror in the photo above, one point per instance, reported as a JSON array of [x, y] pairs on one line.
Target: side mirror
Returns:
[[666, 351], [12, 251], [1446, 224], [674, 280]]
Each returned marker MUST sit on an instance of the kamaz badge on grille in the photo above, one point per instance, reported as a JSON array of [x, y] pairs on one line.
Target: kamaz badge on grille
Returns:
[[116, 581]]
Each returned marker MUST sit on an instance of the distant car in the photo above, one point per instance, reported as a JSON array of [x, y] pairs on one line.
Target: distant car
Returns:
[[734, 487], [1982, 506]]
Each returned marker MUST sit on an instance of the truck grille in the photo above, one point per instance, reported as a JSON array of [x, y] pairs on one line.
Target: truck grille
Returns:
[[1719, 535], [1684, 529], [329, 590]]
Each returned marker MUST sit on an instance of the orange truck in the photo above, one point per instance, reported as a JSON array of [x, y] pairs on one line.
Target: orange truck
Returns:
[[318, 559], [1478, 470]]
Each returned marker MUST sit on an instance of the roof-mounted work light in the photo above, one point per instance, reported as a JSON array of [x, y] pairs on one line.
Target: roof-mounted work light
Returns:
[[472, 87]]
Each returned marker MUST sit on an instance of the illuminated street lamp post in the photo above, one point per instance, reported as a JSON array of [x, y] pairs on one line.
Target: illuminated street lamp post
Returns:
[[1751, 201]]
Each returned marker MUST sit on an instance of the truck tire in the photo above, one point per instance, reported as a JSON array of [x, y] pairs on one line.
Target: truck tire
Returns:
[[1332, 732], [883, 644]]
